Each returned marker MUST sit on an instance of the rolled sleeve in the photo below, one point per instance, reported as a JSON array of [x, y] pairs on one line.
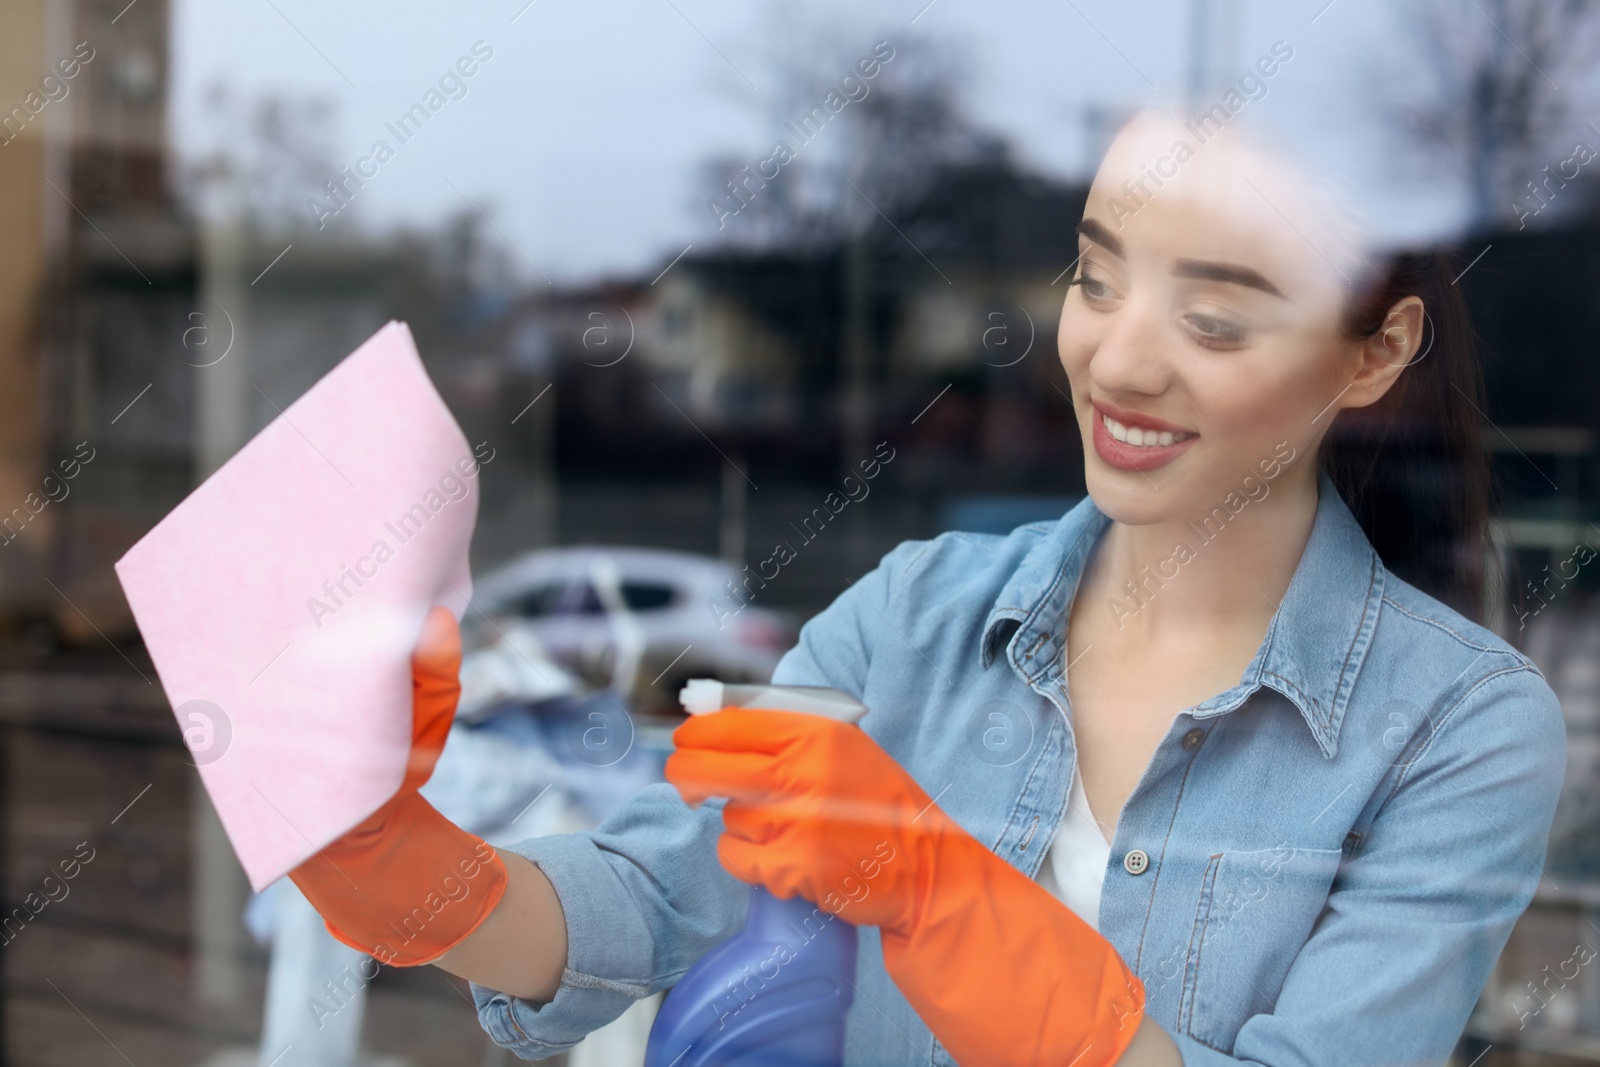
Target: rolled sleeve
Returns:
[[644, 897], [1420, 911]]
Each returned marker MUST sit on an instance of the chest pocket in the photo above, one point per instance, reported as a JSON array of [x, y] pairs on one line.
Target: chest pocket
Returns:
[[1256, 911]]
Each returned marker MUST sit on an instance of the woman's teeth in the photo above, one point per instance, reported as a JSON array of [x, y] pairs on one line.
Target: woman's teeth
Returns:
[[1143, 438]]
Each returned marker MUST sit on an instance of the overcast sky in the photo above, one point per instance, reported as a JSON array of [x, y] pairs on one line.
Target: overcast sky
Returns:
[[582, 136]]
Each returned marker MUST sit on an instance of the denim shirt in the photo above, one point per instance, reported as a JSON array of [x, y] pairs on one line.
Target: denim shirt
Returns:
[[1320, 865]]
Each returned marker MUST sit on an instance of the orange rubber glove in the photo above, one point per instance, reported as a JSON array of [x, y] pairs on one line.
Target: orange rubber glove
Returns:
[[1002, 972], [408, 885]]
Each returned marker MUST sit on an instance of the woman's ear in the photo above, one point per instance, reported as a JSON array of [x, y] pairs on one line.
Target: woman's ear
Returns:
[[1381, 357]]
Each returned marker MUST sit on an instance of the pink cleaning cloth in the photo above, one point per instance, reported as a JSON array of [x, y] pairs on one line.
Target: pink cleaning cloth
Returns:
[[281, 600]]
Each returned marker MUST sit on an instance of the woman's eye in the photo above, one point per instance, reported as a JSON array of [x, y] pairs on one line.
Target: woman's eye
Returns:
[[1093, 289], [1211, 329]]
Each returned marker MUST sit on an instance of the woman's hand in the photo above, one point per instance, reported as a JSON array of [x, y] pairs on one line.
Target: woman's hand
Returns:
[[816, 808], [1001, 972], [407, 885]]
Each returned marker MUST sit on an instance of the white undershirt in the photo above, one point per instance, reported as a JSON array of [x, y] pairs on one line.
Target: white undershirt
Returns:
[[1074, 868]]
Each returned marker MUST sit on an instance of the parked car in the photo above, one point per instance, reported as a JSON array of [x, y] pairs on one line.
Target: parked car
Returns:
[[640, 621]]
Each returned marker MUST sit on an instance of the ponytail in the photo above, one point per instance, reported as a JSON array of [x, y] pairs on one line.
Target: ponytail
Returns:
[[1412, 466]]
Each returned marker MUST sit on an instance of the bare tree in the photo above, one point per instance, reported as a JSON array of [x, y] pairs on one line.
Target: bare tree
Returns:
[[263, 156], [882, 148], [1506, 76]]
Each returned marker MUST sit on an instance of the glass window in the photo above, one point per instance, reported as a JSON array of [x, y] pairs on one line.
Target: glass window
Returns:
[[540, 601], [648, 596]]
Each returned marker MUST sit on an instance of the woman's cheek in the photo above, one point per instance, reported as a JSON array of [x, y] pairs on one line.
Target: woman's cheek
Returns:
[[1293, 400], [1248, 414]]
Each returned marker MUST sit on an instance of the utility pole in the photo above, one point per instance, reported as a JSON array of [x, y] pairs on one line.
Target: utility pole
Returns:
[[734, 507], [855, 354], [222, 416], [1213, 48]]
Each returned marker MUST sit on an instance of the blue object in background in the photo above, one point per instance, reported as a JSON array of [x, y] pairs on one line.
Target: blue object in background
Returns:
[[603, 757], [773, 995], [1001, 514]]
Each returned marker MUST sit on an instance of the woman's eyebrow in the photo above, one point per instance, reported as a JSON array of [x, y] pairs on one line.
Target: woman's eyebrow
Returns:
[[1207, 271], [1204, 270], [1101, 236]]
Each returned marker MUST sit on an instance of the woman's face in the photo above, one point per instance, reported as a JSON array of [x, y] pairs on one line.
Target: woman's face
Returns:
[[1203, 323]]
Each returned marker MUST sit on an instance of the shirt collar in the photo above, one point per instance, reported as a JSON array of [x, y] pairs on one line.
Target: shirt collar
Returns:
[[1313, 648]]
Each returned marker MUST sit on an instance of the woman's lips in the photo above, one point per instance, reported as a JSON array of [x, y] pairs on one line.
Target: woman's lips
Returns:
[[1130, 457]]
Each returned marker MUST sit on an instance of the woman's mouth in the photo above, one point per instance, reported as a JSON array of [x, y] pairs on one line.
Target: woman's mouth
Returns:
[[1134, 448]]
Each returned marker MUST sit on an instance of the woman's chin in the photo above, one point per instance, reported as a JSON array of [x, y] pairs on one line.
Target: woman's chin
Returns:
[[1137, 498], [1130, 498]]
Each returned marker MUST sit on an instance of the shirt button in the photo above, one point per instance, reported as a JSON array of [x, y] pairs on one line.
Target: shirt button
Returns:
[[1193, 739], [1135, 862]]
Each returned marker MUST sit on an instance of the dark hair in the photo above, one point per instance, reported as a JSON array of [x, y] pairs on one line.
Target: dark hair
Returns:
[[1412, 466]]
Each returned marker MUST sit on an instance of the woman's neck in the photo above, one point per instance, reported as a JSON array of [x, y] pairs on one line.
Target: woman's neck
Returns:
[[1220, 571]]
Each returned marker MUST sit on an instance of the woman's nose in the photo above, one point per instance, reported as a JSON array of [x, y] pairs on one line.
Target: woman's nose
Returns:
[[1132, 356]]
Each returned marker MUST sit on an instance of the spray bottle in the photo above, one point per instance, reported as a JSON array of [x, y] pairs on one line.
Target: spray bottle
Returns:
[[775, 994]]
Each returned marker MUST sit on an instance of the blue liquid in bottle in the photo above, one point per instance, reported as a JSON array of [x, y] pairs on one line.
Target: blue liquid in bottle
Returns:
[[776, 993], [773, 995]]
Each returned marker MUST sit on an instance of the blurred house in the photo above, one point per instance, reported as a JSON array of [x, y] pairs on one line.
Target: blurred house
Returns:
[[156, 338], [94, 291], [1532, 297], [797, 357], [1533, 302]]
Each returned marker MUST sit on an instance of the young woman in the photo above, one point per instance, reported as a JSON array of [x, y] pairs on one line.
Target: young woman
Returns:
[[1186, 776]]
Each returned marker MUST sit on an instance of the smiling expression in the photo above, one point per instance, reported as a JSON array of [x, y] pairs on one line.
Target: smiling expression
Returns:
[[1201, 328]]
